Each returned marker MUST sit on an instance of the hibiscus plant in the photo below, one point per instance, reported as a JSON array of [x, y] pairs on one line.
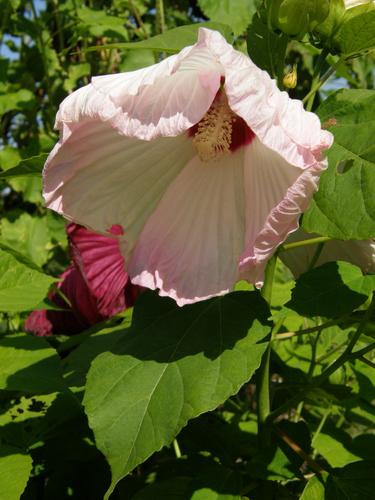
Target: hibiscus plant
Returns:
[[187, 249]]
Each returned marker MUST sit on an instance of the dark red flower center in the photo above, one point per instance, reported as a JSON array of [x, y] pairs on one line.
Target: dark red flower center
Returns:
[[220, 131]]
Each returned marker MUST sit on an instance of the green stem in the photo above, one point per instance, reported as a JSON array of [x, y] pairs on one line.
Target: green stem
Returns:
[[309, 98], [367, 361], [347, 354], [316, 255], [41, 47], [160, 18], [319, 429], [176, 448], [303, 243], [288, 335], [365, 350], [263, 373]]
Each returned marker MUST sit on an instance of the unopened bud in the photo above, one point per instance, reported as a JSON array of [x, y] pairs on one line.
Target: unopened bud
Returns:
[[296, 17], [290, 79]]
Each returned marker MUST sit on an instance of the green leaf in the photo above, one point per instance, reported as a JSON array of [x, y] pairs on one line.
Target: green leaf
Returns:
[[30, 167], [237, 14], [266, 48], [357, 33], [333, 450], [172, 365], [29, 364], [314, 490], [171, 41], [29, 235], [15, 471], [100, 24], [331, 290], [21, 100], [21, 287], [352, 482], [344, 206]]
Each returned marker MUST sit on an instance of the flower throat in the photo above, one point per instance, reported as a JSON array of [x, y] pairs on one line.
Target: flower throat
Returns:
[[220, 131]]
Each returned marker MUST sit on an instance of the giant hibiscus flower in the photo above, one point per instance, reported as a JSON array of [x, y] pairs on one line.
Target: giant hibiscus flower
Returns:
[[202, 160]]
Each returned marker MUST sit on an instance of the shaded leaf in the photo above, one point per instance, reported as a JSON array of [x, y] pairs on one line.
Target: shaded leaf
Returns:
[[353, 482], [29, 364], [174, 364], [266, 48], [331, 290]]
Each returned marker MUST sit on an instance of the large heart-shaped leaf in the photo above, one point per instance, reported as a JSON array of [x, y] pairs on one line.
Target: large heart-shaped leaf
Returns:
[[172, 365]]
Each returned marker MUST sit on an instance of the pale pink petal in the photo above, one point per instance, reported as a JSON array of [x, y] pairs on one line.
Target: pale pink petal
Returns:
[[360, 253], [276, 194], [279, 122], [162, 100], [99, 178], [191, 244]]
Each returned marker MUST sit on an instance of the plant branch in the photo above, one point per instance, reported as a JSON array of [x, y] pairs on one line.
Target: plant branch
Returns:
[[303, 243]]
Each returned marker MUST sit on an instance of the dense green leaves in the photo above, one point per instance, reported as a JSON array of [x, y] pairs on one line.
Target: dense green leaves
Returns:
[[357, 33], [266, 48], [331, 290], [174, 392], [344, 206], [173, 364], [236, 14], [21, 287], [15, 470], [171, 41]]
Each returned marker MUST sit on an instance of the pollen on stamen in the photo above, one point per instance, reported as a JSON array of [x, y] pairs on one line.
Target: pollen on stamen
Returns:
[[213, 136]]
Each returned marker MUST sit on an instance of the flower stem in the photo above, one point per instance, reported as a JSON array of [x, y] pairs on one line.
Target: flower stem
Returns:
[[263, 373], [303, 243]]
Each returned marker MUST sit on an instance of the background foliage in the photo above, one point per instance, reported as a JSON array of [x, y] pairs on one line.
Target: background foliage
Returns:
[[160, 402]]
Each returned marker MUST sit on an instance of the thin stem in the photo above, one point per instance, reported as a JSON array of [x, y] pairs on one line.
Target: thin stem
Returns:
[[303, 243], [319, 429], [328, 354], [317, 86], [263, 373], [176, 448], [41, 47], [347, 354], [138, 18], [314, 347], [160, 18], [288, 335], [363, 351], [316, 255], [367, 361]]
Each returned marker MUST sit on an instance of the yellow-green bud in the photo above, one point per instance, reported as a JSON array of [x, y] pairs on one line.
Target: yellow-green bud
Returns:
[[290, 79]]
